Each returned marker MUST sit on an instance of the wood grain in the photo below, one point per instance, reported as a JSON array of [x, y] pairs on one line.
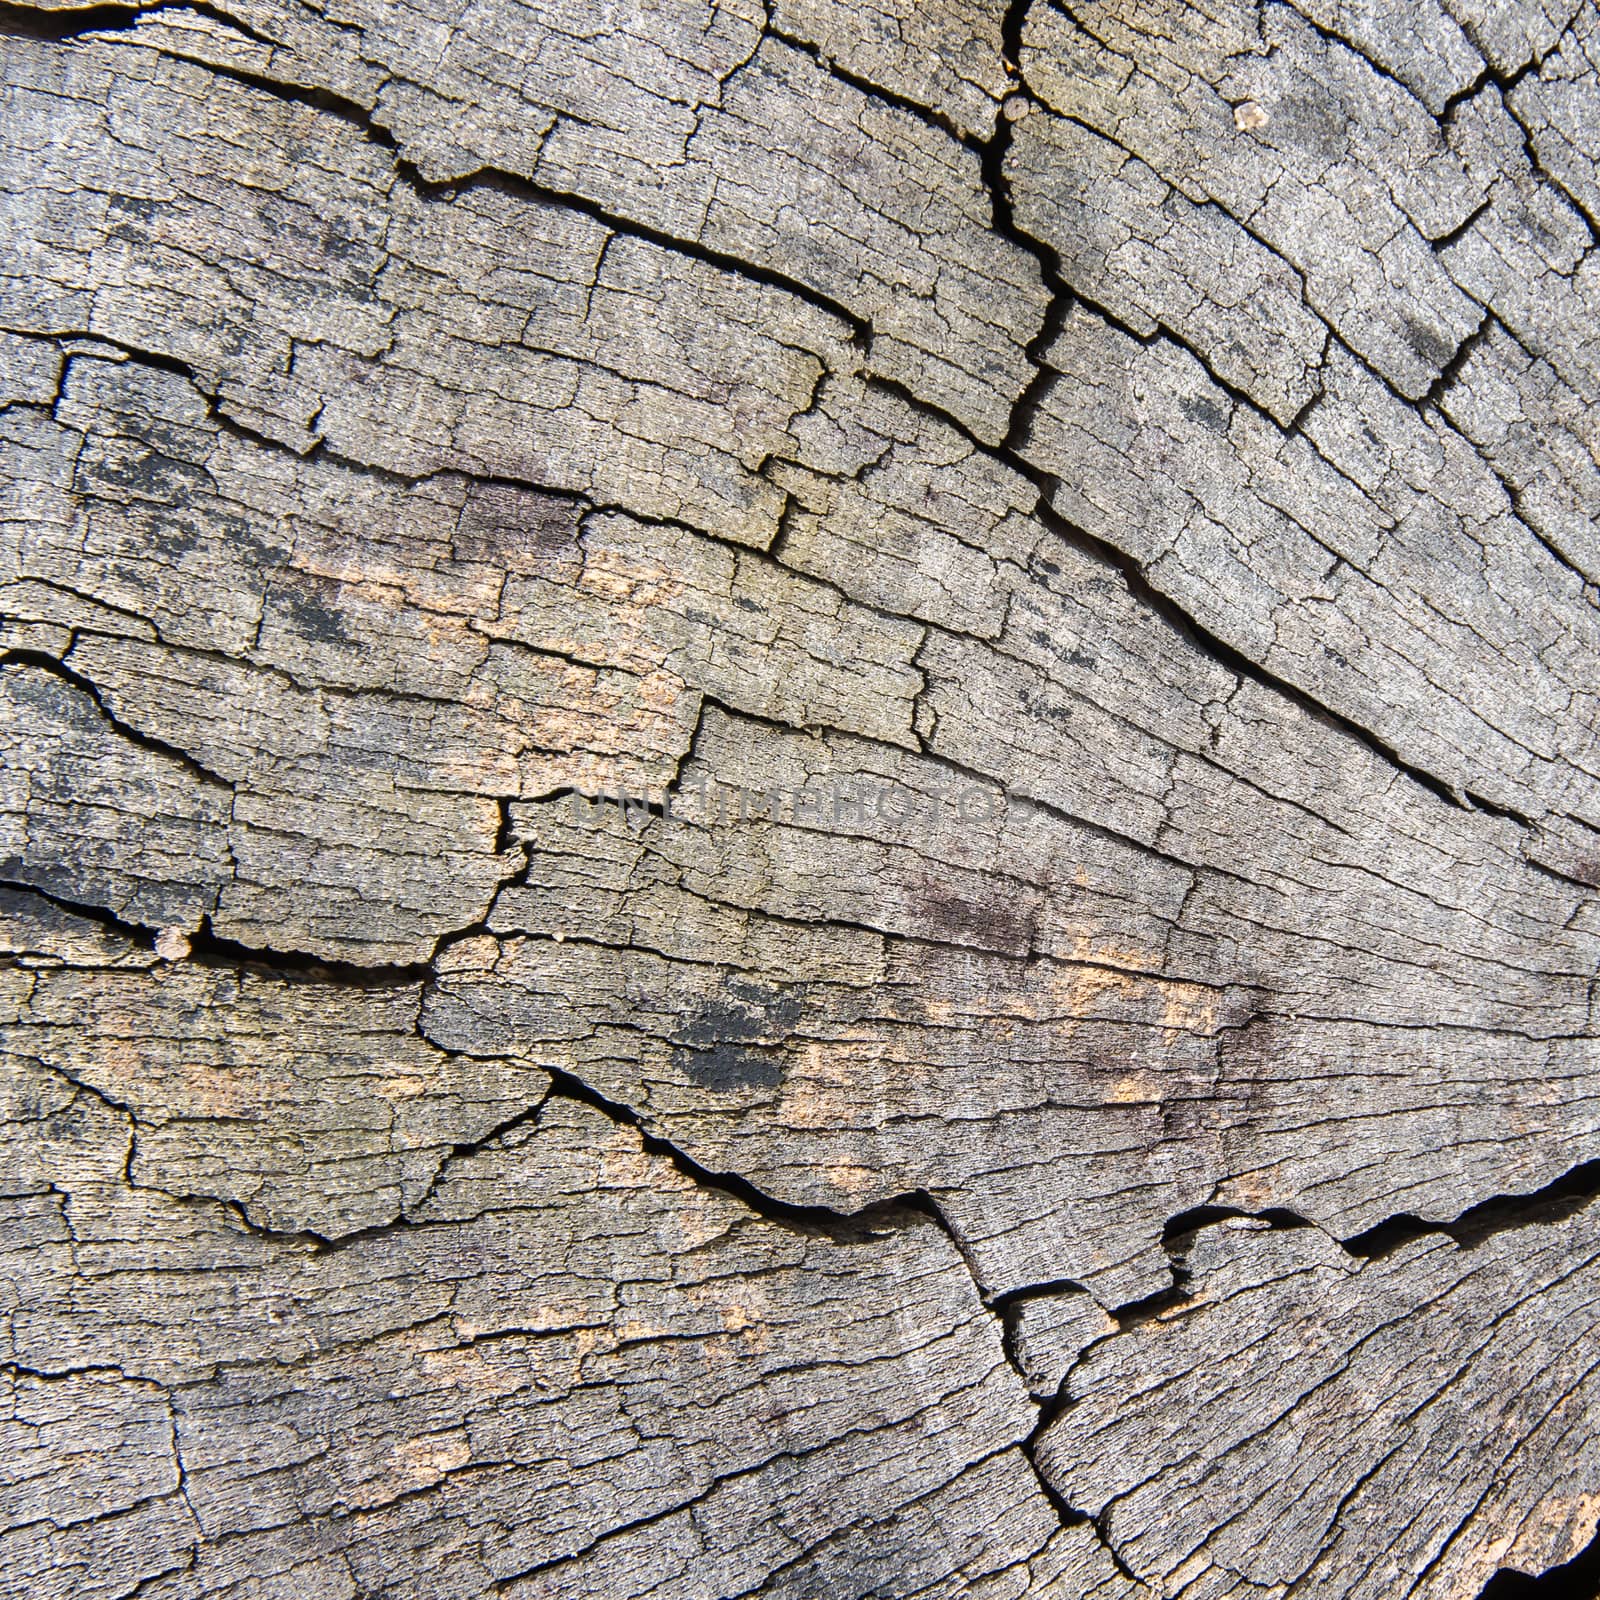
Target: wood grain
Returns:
[[798, 799]]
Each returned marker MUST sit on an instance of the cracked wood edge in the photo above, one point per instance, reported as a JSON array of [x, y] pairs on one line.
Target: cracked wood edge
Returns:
[[1173, 437]]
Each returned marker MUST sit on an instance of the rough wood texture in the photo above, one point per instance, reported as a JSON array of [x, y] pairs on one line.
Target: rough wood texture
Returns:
[[799, 799]]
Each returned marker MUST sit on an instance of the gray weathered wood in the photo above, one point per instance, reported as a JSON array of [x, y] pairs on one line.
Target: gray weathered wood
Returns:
[[798, 799]]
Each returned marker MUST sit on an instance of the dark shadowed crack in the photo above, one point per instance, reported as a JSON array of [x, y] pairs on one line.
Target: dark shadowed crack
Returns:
[[135, 736], [1577, 1579], [860, 332]]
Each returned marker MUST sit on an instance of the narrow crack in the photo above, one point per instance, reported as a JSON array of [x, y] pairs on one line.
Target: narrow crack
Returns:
[[930, 116], [45, 662], [998, 1306], [992, 157], [846, 1227], [1563, 1197]]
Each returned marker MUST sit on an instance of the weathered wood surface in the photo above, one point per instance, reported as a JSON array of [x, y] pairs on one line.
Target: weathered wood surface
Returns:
[[1074, 526]]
